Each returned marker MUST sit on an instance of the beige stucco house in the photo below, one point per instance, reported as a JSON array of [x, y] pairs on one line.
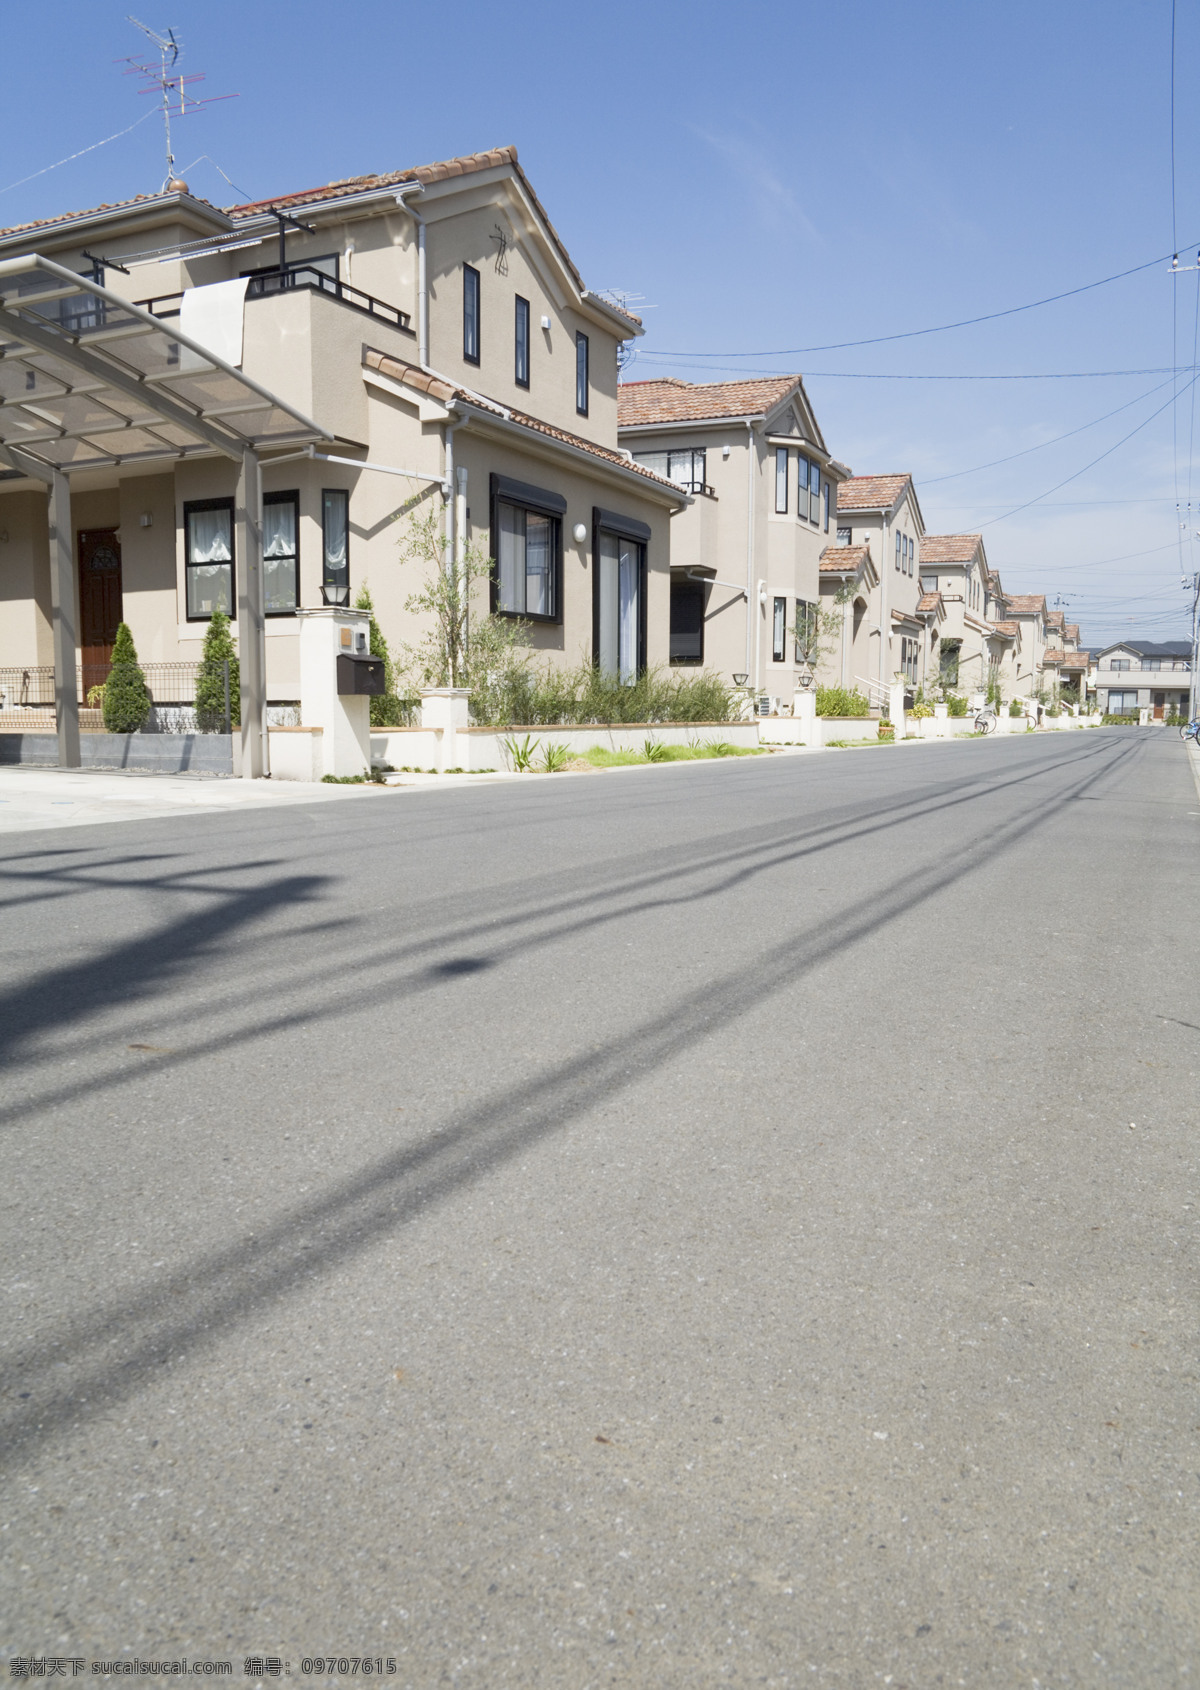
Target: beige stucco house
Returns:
[[890, 634], [243, 407], [972, 649], [745, 553]]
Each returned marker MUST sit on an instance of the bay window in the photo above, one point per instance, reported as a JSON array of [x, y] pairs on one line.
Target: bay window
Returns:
[[527, 549]]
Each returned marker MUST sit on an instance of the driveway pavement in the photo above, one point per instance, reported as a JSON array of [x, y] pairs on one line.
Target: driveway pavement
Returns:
[[730, 1225]]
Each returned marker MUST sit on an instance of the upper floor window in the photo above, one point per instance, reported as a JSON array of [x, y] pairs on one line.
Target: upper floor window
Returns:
[[281, 553], [1118, 663], [335, 539], [781, 481], [814, 493], [208, 557], [470, 314], [581, 374], [899, 552], [688, 467], [521, 343], [825, 496], [845, 536]]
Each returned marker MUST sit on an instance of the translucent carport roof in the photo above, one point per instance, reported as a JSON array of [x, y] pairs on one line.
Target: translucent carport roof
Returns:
[[88, 380]]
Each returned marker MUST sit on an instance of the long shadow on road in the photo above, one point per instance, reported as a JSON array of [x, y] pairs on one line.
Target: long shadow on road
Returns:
[[108, 1353]]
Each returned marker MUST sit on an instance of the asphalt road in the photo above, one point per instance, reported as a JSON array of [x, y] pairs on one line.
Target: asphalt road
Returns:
[[715, 1224]]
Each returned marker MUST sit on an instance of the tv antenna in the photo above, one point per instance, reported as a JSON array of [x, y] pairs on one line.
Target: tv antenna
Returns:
[[170, 85]]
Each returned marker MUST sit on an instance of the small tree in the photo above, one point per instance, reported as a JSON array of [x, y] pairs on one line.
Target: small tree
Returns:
[[218, 651], [127, 701], [387, 711], [818, 629], [457, 651]]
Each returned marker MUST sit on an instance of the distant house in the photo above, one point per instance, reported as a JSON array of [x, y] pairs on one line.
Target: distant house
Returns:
[[744, 553], [1136, 675], [890, 635], [972, 649]]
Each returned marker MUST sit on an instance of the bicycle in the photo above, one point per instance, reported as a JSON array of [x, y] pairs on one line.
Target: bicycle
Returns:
[[986, 722], [1191, 730]]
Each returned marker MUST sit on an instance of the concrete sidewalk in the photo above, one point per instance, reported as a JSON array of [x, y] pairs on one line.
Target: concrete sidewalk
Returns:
[[40, 798]]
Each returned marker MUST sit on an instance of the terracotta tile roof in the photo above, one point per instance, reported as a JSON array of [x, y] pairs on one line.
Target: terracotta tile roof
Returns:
[[1051, 659], [1056, 619], [840, 560], [1026, 604], [668, 400], [871, 492], [1074, 659], [949, 548], [413, 376], [928, 602], [1010, 629], [1072, 631], [92, 210]]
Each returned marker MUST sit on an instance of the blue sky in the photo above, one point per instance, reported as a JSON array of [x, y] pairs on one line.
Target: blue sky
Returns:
[[769, 179]]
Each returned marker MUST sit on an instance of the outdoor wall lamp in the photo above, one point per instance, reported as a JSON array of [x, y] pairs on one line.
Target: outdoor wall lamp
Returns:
[[579, 533], [740, 680]]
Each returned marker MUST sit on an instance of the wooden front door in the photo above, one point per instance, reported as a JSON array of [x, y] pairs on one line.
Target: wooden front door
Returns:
[[99, 598], [1160, 700]]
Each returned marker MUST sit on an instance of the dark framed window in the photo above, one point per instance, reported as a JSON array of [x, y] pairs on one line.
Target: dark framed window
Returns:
[[521, 343], [801, 484], [825, 496], [470, 314], [581, 374], [781, 479], [845, 536], [899, 554], [526, 550], [688, 600], [779, 631], [619, 594], [335, 545], [281, 553], [814, 493], [806, 631], [208, 558]]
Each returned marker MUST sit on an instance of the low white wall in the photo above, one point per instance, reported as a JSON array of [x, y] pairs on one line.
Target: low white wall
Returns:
[[296, 753], [473, 749]]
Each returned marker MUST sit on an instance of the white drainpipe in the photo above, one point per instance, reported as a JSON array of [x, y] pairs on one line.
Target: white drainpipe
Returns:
[[422, 273], [751, 605]]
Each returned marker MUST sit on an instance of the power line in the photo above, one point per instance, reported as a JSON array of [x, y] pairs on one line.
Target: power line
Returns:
[[881, 375], [992, 521], [79, 154], [940, 328], [932, 481]]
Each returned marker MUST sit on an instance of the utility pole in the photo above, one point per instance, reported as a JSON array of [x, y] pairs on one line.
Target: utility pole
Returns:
[[1194, 584]]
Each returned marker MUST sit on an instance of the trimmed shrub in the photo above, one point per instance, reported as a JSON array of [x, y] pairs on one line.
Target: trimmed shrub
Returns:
[[1120, 721], [218, 650], [840, 701], [957, 703], [1014, 708], [388, 709], [127, 702]]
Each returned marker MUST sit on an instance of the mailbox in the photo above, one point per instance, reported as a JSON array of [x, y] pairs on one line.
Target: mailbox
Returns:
[[359, 673]]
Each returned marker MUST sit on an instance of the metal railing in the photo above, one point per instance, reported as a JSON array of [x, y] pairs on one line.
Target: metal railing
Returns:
[[298, 278], [27, 694], [878, 696]]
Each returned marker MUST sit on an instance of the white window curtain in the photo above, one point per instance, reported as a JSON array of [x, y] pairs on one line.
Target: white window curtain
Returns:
[[279, 530], [620, 607], [538, 563], [335, 511], [630, 581], [209, 535], [512, 558]]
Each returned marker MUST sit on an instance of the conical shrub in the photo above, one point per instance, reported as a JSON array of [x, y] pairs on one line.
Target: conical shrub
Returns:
[[218, 650], [127, 701]]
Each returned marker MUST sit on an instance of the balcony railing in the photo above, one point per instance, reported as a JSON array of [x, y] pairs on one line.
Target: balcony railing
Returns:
[[296, 278], [1176, 666]]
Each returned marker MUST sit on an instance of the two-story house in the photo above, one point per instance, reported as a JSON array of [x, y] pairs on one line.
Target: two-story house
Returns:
[[972, 649], [1136, 675], [892, 636], [745, 553], [242, 408], [1028, 611]]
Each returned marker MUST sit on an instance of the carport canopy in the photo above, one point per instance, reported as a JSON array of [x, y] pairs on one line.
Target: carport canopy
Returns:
[[90, 381]]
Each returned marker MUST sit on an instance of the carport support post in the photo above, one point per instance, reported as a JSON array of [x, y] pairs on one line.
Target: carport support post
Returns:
[[252, 642], [63, 611]]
